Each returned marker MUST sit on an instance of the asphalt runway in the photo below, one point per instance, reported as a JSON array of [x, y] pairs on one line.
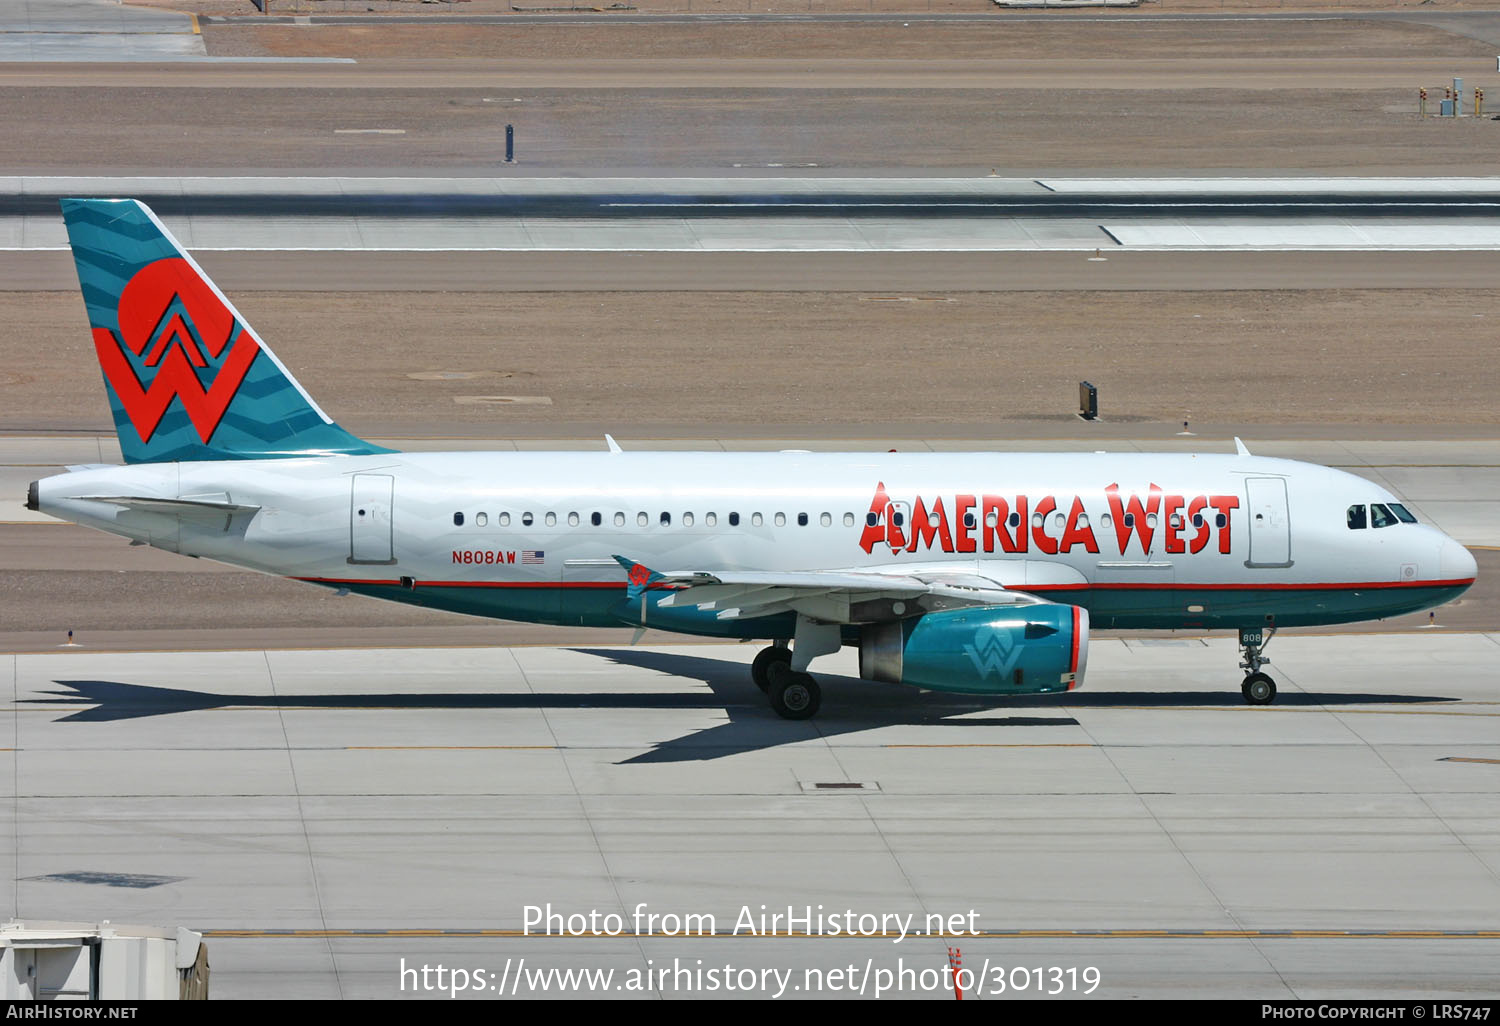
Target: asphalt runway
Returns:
[[334, 813], [243, 201]]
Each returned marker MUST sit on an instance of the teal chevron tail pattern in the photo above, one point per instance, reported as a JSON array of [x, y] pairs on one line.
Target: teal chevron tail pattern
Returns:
[[187, 378]]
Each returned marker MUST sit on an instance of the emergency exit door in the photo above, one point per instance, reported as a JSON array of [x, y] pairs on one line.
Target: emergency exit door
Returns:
[[1270, 529], [370, 529]]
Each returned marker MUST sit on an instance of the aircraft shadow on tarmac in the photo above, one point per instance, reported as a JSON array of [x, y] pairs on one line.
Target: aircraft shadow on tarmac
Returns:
[[849, 705]]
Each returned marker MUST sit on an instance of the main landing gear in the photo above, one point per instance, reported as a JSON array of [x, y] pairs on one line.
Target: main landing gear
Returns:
[[794, 695], [760, 670], [782, 674], [1258, 688]]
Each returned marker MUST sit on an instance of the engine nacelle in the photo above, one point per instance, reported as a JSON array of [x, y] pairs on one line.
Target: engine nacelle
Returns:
[[1004, 650]]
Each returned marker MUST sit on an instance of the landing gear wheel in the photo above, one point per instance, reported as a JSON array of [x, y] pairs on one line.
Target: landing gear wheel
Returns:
[[760, 670], [794, 696], [1259, 689]]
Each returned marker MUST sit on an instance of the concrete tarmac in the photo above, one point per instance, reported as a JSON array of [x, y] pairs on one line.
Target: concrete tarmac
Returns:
[[323, 816], [84, 30]]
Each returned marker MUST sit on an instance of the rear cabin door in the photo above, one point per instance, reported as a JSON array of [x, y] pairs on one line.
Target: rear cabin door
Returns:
[[370, 529], [1270, 528]]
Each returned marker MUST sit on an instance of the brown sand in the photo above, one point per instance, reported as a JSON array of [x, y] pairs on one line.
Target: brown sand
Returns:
[[786, 359]]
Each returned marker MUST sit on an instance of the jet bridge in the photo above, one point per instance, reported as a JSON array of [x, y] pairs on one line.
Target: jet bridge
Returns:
[[51, 961]]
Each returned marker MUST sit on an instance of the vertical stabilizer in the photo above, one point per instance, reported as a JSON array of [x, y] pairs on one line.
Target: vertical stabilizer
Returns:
[[187, 377]]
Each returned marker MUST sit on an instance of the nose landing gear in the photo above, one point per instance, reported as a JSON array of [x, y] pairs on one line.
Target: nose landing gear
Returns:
[[1258, 688]]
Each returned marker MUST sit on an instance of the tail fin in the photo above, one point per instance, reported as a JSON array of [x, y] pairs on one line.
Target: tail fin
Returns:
[[187, 378]]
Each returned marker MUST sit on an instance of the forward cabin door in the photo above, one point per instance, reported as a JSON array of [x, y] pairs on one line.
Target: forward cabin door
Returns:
[[370, 527], [1270, 526]]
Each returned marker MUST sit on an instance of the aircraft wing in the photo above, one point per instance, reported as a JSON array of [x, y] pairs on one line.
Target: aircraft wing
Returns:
[[831, 596]]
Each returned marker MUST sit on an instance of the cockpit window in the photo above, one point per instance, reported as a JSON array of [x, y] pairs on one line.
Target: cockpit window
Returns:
[[1356, 518], [1380, 516], [1402, 512]]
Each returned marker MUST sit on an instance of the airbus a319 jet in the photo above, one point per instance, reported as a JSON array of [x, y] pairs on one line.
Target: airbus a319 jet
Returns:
[[967, 572]]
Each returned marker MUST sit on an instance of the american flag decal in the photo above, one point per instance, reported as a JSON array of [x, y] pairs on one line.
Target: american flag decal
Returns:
[[533, 557]]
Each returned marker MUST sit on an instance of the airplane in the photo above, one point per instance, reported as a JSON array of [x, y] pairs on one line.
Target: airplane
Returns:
[[978, 573]]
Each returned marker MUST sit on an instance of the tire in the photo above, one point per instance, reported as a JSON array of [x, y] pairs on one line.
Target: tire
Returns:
[[1258, 689], [794, 696], [760, 670]]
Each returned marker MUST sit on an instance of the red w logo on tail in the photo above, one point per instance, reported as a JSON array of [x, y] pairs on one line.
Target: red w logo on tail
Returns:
[[173, 344]]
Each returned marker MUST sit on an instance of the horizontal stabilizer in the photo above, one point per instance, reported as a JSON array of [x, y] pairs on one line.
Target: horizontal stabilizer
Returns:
[[174, 507]]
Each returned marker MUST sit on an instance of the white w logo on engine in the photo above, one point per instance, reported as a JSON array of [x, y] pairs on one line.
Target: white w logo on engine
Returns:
[[992, 652]]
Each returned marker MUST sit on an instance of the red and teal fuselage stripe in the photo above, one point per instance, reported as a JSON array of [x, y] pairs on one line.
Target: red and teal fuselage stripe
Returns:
[[1110, 605]]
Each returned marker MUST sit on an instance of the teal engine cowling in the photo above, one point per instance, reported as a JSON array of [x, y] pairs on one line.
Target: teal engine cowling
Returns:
[[988, 650]]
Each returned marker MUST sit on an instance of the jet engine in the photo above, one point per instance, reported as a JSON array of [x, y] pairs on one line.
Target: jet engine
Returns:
[[1001, 650]]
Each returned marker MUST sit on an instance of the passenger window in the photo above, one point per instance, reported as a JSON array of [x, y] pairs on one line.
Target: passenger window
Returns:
[[551, 519], [1083, 520], [1129, 519], [1014, 520], [596, 519], [458, 520], [872, 519], [1381, 517], [970, 521], [1037, 520], [1220, 520], [710, 519], [1355, 518], [1402, 512], [666, 519], [643, 519], [801, 519], [826, 520], [504, 520], [781, 520], [526, 519], [572, 519], [687, 520], [1197, 519], [1106, 521], [734, 520], [848, 519], [756, 520], [619, 519], [1151, 521], [480, 519], [1176, 521]]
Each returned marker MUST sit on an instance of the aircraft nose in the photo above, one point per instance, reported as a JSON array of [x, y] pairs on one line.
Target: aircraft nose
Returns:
[[1456, 563]]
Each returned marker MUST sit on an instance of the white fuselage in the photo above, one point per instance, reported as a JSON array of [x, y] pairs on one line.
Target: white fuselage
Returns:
[[1149, 540]]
